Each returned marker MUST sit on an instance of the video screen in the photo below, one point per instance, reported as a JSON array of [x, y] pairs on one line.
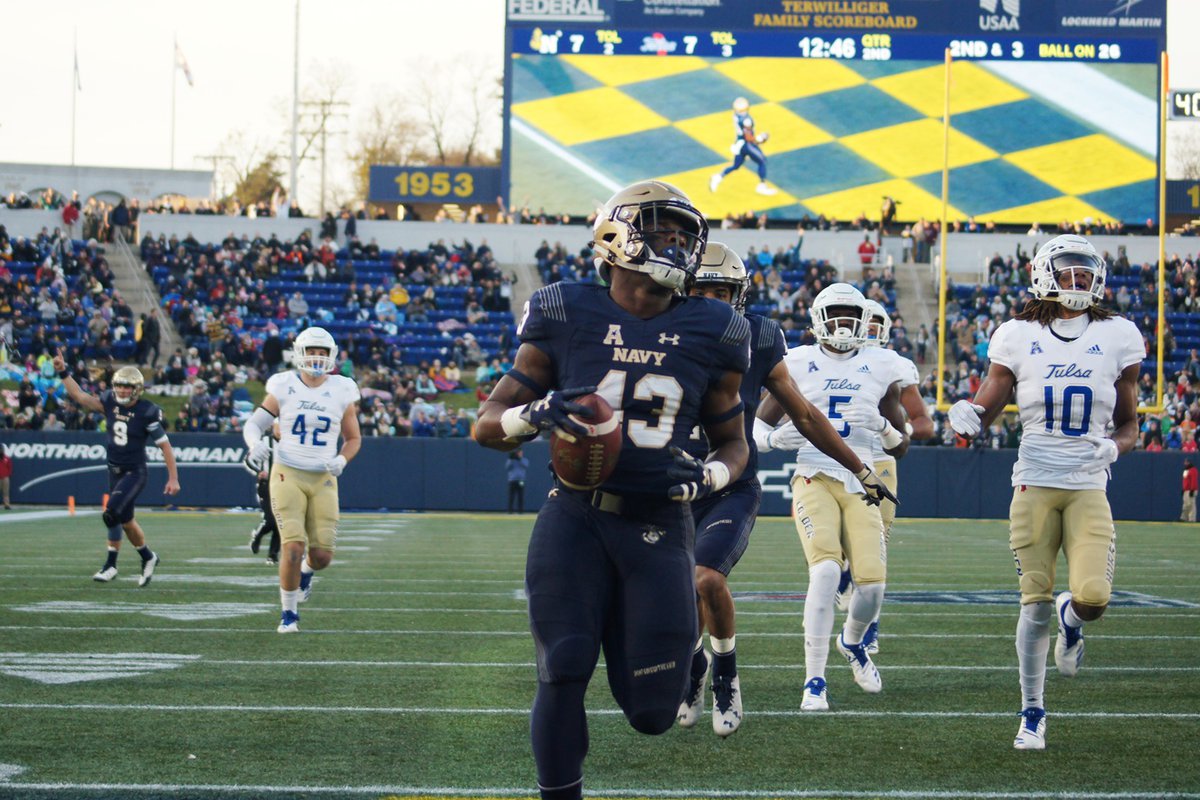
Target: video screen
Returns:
[[1030, 140]]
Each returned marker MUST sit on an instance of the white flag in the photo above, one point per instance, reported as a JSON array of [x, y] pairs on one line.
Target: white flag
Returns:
[[182, 64]]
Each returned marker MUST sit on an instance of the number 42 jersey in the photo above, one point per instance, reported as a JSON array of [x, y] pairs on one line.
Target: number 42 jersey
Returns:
[[310, 418], [1066, 390]]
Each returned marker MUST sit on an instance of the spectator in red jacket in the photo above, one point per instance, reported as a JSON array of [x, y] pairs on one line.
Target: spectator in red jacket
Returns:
[[1191, 481]]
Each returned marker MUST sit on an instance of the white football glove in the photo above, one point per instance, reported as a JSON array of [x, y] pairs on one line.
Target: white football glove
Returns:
[[336, 465], [259, 453], [762, 137], [860, 415], [964, 417], [1105, 455]]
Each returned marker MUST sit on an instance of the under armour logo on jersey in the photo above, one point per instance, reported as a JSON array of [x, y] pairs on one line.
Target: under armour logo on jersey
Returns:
[[812, 367], [672, 339], [1095, 350], [1034, 349], [865, 368]]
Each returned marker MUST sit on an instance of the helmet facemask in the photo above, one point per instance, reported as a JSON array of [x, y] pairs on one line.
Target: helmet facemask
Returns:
[[1068, 271], [651, 228], [720, 266], [315, 360], [127, 378], [879, 325], [840, 327]]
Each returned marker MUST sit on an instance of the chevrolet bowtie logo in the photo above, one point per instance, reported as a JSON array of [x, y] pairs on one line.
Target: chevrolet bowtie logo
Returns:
[[664, 339]]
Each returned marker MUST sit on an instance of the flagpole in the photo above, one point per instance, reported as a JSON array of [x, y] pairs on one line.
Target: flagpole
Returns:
[[174, 69], [74, 94]]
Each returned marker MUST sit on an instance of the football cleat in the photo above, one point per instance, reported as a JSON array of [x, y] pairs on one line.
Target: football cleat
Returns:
[[715, 181], [148, 569], [766, 188], [306, 579], [815, 697], [289, 622], [1068, 648], [1032, 733], [727, 704], [105, 574], [865, 674], [845, 590], [871, 638], [692, 706]]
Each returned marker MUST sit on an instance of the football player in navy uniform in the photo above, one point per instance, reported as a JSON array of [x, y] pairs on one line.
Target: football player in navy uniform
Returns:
[[131, 421], [724, 520], [267, 524], [612, 568], [746, 144]]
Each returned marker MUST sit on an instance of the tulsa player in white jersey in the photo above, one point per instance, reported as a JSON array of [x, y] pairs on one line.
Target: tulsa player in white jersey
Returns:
[[918, 427], [858, 389], [1075, 369], [313, 407]]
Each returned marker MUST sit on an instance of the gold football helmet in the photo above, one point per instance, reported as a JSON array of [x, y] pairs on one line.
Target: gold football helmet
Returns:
[[128, 378], [650, 227], [721, 266]]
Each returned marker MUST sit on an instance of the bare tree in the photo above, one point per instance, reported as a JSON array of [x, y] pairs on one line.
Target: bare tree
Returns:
[[388, 135], [250, 166], [1183, 151], [458, 120]]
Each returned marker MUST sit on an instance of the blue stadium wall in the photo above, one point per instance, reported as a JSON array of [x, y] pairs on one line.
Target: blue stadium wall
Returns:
[[458, 475]]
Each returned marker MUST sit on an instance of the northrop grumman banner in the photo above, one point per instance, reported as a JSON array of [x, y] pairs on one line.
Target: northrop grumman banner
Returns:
[[459, 475]]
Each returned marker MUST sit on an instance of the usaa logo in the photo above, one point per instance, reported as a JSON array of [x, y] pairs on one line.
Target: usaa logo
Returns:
[[1002, 15]]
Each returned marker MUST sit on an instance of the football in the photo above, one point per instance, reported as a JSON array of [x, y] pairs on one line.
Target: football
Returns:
[[586, 462]]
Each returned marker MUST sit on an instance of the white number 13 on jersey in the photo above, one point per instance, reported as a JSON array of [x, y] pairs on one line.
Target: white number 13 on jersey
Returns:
[[648, 387]]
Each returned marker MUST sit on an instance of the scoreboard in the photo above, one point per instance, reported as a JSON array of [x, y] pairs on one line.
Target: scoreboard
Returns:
[[602, 92], [843, 44]]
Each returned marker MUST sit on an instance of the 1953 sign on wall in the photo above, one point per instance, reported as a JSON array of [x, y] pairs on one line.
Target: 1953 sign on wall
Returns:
[[392, 184]]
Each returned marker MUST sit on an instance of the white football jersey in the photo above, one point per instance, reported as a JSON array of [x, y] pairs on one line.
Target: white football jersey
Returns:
[[908, 375], [831, 383], [310, 419], [1065, 391]]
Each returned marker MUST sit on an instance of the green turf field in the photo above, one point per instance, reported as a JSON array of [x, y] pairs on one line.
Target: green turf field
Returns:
[[413, 674]]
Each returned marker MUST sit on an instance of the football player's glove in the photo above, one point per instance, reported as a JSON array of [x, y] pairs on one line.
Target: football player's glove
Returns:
[[875, 491], [257, 457], [699, 478], [866, 417], [1106, 453], [555, 409], [965, 417], [762, 137], [336, 465]]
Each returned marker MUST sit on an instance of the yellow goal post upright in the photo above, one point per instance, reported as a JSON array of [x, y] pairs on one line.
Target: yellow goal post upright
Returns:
[[1160, 383]]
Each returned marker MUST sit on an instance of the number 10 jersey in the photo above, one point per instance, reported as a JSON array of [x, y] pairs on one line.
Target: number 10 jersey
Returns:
[[1066, 390]]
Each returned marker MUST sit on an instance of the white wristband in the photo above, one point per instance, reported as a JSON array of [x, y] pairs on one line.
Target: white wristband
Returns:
[[718, 475], [890, 437], [513, 425]]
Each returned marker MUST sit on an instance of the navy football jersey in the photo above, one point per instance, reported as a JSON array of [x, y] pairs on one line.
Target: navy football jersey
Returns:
[[129, 428], [768, 347], [653, 372]]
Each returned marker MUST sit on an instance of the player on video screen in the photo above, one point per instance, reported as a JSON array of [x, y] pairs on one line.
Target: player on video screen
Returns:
[[745, 145]]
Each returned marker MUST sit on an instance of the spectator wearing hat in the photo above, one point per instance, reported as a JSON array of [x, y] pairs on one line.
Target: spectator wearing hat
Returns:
[[1191, 481]]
